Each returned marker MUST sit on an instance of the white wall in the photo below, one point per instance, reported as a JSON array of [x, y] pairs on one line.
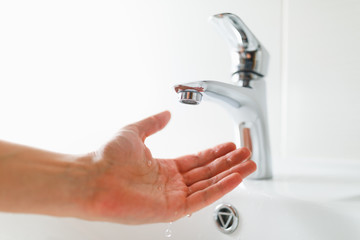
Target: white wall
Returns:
[[322, 77]]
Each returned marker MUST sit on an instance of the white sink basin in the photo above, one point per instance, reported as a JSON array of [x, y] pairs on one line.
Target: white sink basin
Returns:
[[305, 200]]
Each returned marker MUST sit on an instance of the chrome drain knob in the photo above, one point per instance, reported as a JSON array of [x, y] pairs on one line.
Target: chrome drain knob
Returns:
[[226, 218]]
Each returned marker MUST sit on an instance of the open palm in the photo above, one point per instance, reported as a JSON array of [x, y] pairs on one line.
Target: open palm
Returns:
[[132, 187]]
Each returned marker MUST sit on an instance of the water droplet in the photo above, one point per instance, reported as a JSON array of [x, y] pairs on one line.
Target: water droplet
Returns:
[[189, 215], [149, 163], [168, 233]]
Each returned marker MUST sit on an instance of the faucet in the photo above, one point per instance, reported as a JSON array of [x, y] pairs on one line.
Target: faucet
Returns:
[[245, 100]]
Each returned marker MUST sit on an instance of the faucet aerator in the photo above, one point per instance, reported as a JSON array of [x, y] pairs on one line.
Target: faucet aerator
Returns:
[[190, 97]]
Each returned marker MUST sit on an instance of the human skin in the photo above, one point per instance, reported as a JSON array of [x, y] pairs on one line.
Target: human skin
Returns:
[[121, 182]]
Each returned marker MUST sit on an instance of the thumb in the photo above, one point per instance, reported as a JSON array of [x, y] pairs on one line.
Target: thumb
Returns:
[[152, 124]]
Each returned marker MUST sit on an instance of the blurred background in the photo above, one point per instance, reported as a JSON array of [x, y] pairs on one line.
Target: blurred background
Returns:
[[72, 73]]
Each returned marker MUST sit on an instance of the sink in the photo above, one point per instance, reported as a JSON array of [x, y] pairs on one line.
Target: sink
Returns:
[[306, 199]]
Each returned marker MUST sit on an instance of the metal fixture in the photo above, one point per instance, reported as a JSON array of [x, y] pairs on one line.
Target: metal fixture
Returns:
[[192, 97], [226, 218], [246, 99], [249, 58]]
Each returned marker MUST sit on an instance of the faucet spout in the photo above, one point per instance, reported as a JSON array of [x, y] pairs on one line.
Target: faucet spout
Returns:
[[247, 108]]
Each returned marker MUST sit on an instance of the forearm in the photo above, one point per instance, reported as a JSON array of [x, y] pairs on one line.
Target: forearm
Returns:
[[121, 182], [37, 181]]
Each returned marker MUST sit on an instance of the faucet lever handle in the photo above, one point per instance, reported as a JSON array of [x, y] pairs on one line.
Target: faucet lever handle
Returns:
[[235, 31], [249, 58]]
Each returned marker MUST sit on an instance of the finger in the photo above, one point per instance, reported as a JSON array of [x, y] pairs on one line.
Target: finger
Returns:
[[244, 169], [152, 124], [219, 165], [186, 163], [205, 197]]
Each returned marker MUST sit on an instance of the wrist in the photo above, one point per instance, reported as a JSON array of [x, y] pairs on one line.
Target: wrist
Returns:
[[77, 189]]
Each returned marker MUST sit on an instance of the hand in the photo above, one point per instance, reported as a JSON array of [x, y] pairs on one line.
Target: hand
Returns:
[[131, 187]]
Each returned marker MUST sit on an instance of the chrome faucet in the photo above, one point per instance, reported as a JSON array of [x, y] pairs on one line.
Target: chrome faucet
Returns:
[[246, 99]]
